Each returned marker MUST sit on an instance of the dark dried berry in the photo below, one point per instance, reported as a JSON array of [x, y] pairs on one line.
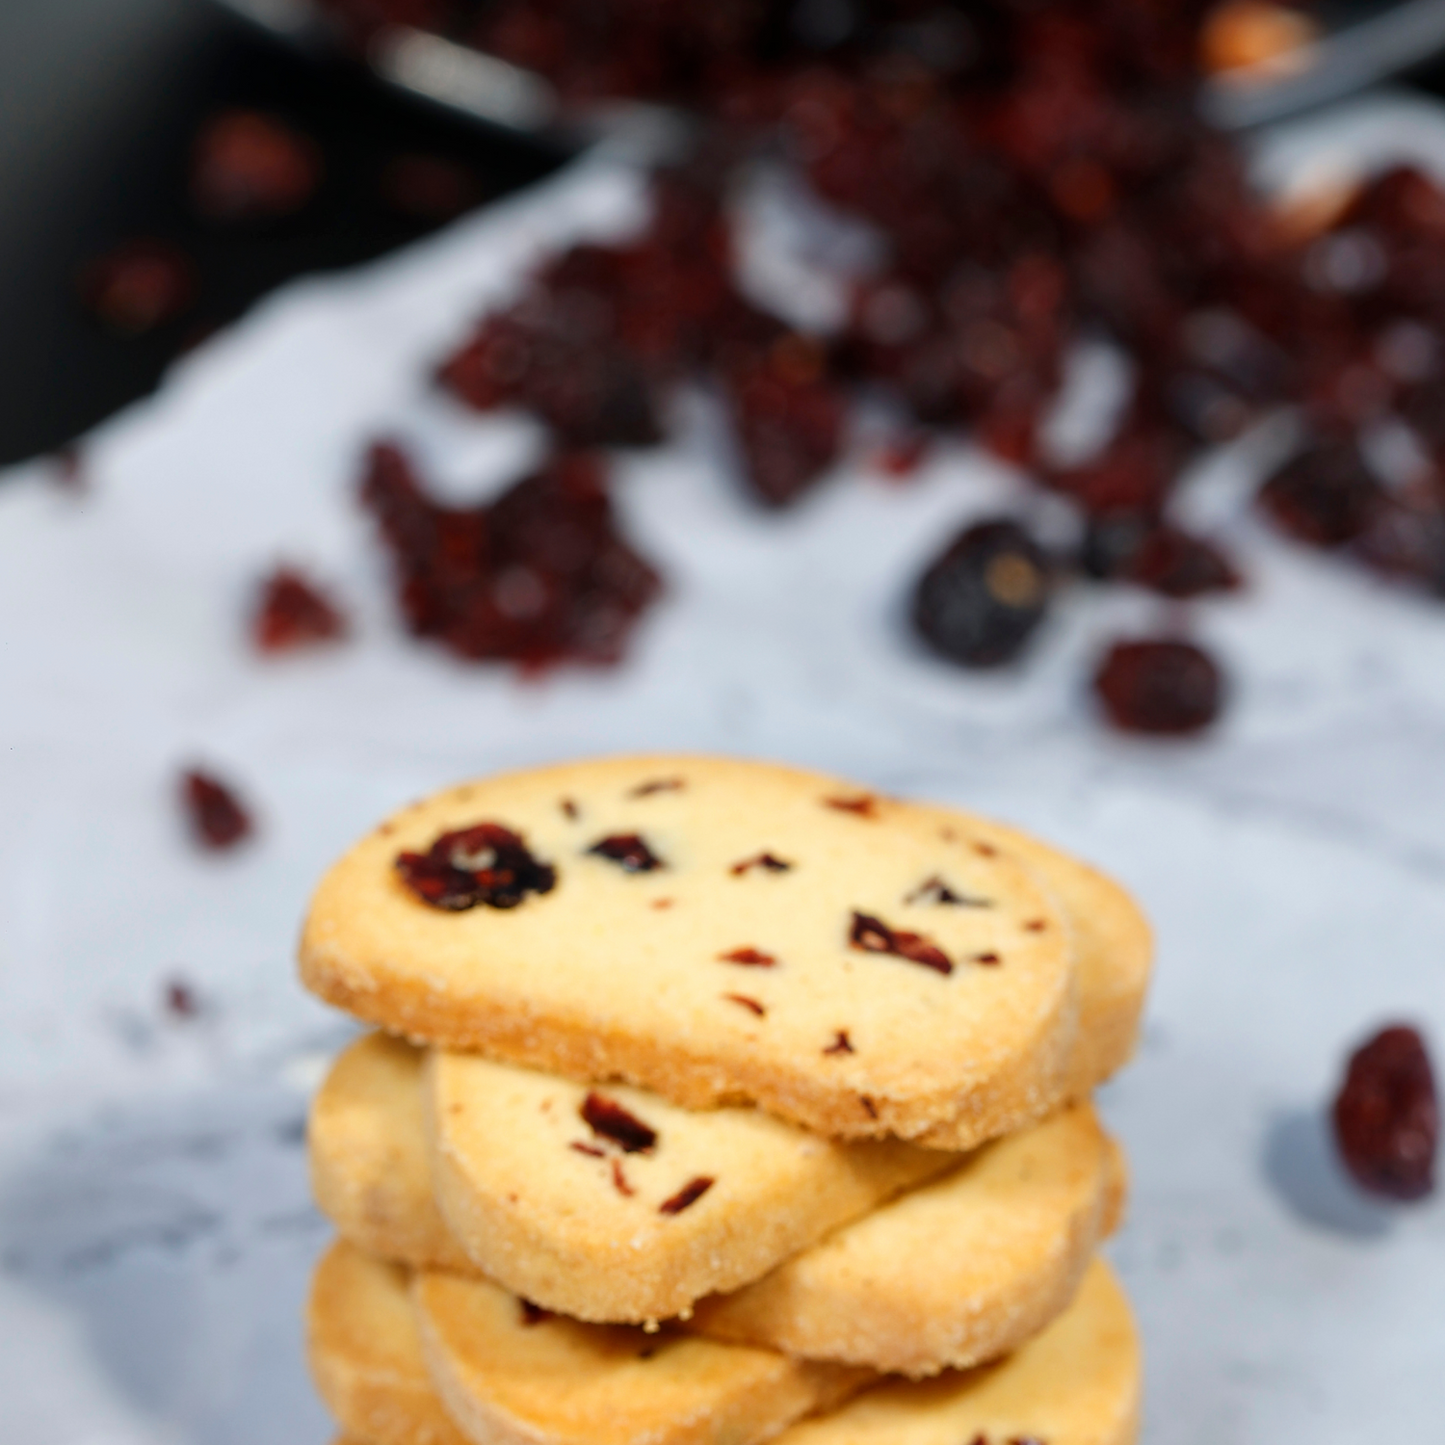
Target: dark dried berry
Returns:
[[609, 1120], [291, 613], [484, 864], [590, 1150], [1160, 686], [252, 167], [841, 1044], [619, 1180], [751, 1004], [1325, 496], [658, 785], [689, 1194], [1179, 565], [1386, 1117], [765, 861], [981, 600], [865, 805], [935, 890], [138, 287], [749, 958], [872, 935], [216, 816], [628, 850]]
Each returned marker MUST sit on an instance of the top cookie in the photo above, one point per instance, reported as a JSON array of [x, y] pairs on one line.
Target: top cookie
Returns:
[[717, 931]]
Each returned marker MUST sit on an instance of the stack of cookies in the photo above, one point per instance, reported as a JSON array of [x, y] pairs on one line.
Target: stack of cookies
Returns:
[[715, 1102]]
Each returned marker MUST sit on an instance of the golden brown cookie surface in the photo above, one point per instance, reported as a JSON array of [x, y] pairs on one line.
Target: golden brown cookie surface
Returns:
[[715, 931]]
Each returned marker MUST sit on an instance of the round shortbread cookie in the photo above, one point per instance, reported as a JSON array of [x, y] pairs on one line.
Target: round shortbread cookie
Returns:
[[365, 1353], [954, 1273], [716, 931], [611, 1204], [1076, 1383], [511, 1375]]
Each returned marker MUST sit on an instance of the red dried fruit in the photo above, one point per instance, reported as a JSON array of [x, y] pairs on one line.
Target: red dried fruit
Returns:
[[619, 1180], [609, 1120], [935, 890], [483, 864], [247, 166], [865, 805], [659, 785], [841, 1044], [540, 576], [1178, 565], [533, 1314], [1162, 686], [765, 861], [749, 958], [569, 810], [591, 1150], [981, 600], [139, 286], [872, 935], [1386, 1117], [688, 1195], [217, 819], [989, 960], [1326, 495], [291, 613], [628, 850], [751, 1004]]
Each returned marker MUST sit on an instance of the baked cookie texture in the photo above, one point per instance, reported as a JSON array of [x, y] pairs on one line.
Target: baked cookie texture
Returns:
[[950, 1273], [1078, 1382], [598, 1220], [799, 944], [365, 1353], [508, 1375]]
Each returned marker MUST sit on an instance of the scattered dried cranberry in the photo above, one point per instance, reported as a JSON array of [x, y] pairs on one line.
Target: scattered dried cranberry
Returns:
[[1325, 496], [841, 1044], [658, 785], [743, 1000], [1386, 1117], [540, 576], [689, 1194], [217, 819], [935, 890], [980, 601], [484, 864], [139, 287], [619, 1180], [865, 805], [765, 861], [872, 935], [1178, 565], [1159, 687], [291, 613], [608, 1119], [749, 958], [628, 850], [247, 166]]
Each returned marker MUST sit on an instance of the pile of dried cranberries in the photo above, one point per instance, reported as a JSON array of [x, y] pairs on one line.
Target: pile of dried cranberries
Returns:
[[1035, 174]]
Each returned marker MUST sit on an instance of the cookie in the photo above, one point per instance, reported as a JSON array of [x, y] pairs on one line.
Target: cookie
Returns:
[[1114, 953], [368, 1156], [509, 1374], [950, 1273], [1076, 1383], [365, 1353], [959, 1271], [610, 1204], [716, 931]]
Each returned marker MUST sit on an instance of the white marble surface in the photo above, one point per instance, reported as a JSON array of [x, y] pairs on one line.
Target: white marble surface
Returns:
[[154, 1224]]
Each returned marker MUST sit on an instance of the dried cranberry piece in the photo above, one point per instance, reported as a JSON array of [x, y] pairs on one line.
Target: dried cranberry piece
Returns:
[[1159, 686], [749, 958], [872, 935], [247, 166], [765, 861], [1386, 1117], [484, 864], [688, 1195], [139, 286], [841, 1044], [865, 805], [629, 850], [1326, 495], [981, 600], [1179, 565], [291, 613], [217, 818], [747, 1002], [608, 1119], [658, 785], [538, 577], [935, 890]]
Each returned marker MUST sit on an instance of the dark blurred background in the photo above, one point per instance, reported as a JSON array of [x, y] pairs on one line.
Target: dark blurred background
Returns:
[[101, 102]]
